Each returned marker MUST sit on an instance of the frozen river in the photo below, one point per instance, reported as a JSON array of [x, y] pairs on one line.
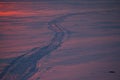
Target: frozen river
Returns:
[[60, 40]]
